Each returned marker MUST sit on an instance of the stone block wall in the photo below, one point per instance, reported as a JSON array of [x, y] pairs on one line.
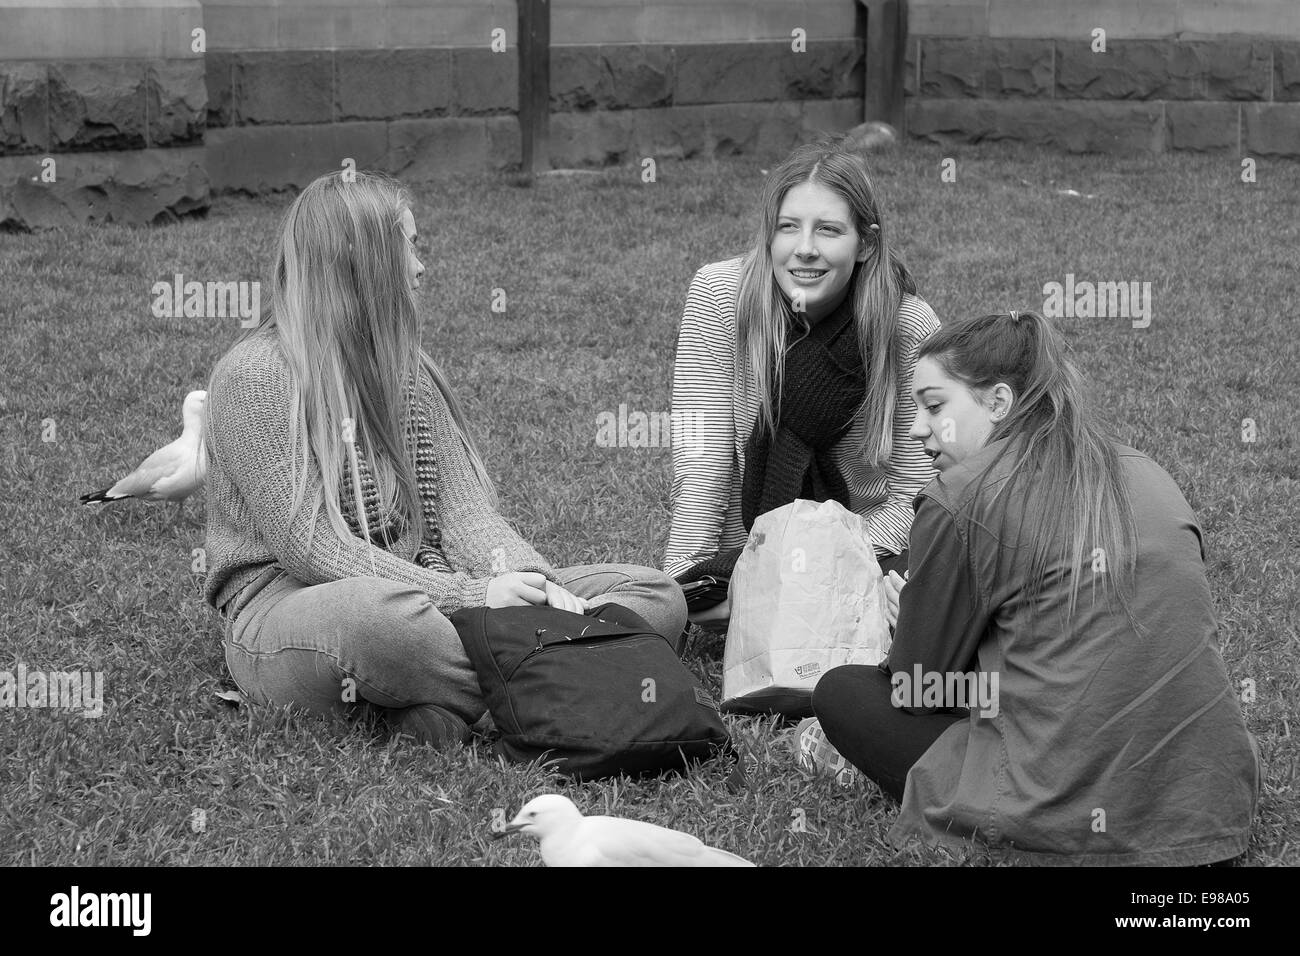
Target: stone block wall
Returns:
[[1205, 75], [682, 79], [419, 90], [138, 110], [611, 102], [412, 87], [102, 111]]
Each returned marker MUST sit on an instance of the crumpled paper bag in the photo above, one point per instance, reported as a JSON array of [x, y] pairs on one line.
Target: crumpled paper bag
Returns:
[[806, 595]]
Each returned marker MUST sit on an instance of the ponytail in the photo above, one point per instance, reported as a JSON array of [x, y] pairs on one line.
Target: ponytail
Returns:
[[1062, 450]]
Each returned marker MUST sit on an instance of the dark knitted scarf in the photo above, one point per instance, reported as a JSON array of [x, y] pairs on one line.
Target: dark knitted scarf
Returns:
[[387, 526], [823, 387]]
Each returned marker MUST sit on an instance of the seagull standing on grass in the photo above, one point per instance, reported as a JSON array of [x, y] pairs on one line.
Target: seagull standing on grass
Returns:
[[569, 839], [173, 472]]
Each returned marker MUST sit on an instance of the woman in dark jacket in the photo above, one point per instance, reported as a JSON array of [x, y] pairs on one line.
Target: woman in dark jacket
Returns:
[[1055, 685]]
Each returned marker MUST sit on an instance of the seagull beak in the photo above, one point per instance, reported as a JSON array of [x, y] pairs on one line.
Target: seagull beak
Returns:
[[510, 830]]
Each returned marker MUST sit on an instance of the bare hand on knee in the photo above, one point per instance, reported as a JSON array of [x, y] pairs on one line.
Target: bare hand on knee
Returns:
[[516, 589], [565, 600]]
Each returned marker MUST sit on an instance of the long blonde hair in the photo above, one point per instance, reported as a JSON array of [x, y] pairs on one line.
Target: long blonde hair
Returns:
[[764, 315], [344, 315]]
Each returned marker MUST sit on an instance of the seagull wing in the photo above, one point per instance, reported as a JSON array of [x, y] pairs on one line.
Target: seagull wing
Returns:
[[610, 841], [156, 469], [187, 477]]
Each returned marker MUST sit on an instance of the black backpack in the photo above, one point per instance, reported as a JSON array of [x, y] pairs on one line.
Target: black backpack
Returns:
[[601, 692]]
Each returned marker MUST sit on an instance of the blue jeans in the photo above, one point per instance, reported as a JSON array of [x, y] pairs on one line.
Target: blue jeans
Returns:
[[288, 643]]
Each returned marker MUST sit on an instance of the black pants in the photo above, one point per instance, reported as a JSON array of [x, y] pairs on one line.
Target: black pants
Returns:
[[852, 703]]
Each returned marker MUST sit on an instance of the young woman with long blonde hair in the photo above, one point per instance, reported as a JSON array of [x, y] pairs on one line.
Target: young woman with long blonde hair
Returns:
[[793, 371], [349, 511]]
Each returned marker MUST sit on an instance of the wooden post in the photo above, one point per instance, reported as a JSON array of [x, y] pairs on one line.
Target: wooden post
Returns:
[[886, 52], [535, 84]]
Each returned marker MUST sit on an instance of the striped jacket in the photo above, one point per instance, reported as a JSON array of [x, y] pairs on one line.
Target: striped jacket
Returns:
[[713, 417]]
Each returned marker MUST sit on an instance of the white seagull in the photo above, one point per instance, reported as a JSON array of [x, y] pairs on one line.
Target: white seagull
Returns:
[[569, 839], [173, 472]]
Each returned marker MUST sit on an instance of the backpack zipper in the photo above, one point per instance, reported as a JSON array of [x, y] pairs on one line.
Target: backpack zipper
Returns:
[[569, 641]]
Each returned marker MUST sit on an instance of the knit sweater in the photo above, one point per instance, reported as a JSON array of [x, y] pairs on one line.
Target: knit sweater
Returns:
[[250, 486], [718, 411]]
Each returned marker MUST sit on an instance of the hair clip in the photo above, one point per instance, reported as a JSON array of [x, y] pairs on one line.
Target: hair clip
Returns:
[[1015, 316], [874, 227]]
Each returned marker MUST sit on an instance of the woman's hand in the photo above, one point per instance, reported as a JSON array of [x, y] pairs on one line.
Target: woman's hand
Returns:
[[893, 588], [565, 600], [516, 589]]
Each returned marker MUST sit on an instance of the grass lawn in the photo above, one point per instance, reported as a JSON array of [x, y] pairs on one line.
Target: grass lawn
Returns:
[[595, 270]]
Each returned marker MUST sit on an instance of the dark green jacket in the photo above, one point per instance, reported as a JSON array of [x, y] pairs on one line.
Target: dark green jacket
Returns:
[[1106, 747]]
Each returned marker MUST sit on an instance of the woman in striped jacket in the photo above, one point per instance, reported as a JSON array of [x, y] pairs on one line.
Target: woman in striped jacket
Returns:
[[794, 369]]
